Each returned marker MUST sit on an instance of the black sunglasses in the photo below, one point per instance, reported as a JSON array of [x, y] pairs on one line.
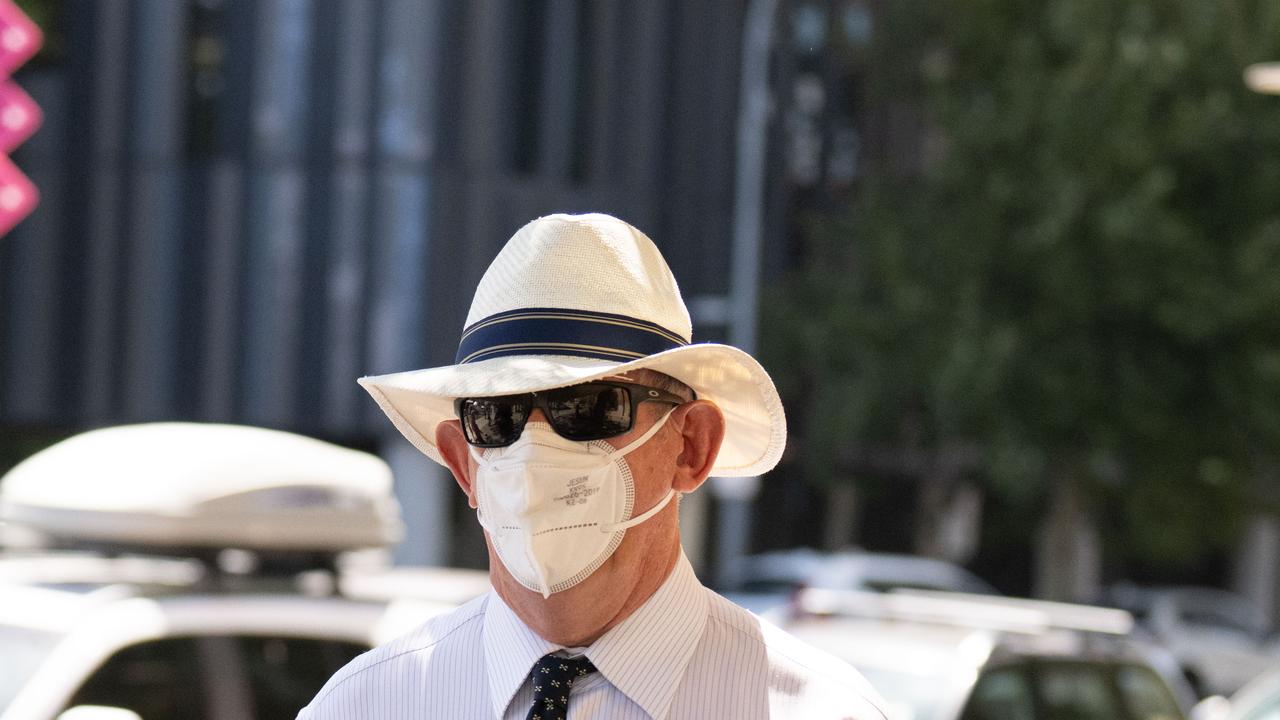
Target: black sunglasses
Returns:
[[590, 411]]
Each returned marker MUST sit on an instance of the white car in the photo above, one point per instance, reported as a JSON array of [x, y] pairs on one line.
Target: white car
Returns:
[[1218, 636], [939, 656], [198, 572], [1258, 700]]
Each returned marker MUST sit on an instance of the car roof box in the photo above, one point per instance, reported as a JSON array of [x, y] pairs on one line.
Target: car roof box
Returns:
[[169, 486]]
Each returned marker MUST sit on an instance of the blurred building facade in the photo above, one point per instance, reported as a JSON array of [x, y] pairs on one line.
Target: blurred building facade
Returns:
[[247, 204]]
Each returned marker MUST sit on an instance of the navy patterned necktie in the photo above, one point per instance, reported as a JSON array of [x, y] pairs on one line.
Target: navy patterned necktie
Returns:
[[553, 678]]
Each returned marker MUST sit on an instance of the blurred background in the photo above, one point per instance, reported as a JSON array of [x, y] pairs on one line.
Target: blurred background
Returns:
[[1013, 264]]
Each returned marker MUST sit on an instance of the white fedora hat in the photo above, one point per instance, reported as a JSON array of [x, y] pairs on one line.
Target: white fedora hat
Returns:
[[573, 298]]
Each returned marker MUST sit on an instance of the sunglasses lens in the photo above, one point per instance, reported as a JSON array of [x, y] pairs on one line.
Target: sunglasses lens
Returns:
[[589, 412], [494, 422]]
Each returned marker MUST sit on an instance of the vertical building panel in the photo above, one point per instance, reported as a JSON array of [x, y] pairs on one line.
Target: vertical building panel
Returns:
[[486, 96], [155, 209], [560, 83], [348, 237], [717, 136], [490, 123], [700, 155], [644, 105], [403, 143], [320, 166], [104, 238], [225, 225], [279, 121], [600, 120], [398, 324]]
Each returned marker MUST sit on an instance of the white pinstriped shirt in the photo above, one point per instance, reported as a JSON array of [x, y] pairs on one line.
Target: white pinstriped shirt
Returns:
[[686, 653]]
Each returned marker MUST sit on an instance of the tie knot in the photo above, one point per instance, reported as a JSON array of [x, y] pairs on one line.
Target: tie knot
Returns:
[[553, 678], [562, 667]]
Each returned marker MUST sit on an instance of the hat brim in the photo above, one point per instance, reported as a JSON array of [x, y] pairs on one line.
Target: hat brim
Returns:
[[755, 427]]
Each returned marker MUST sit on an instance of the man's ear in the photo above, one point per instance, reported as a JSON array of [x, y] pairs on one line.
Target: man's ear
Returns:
[[453, 447], [702, 430]]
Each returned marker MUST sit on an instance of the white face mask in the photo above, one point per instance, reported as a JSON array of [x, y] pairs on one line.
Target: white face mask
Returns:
[[556, 509]]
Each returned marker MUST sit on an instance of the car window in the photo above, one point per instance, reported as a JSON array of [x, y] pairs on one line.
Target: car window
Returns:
[[1003, 694], [285, 673], [1076, 691], [1146, 695], [216, 678], [22, 650], [157, 680]]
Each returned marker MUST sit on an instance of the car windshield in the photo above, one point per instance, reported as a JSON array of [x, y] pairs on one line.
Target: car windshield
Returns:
[[22, 650]]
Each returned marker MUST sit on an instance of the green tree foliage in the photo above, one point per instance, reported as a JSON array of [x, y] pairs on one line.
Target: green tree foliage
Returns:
[[1081, 278]]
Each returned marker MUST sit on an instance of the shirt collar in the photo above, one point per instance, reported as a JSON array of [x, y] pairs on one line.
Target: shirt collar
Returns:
[[644, 656], [510, 650]]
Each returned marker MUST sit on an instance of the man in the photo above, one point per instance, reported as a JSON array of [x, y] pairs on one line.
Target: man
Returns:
[[576, 412]]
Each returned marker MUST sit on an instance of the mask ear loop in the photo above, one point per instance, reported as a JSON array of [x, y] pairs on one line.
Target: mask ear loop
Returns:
[[643, 438], [484, 522], [615, 527], [620, 452]]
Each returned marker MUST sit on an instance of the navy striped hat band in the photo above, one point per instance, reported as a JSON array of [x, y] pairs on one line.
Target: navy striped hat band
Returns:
[[560, 331]]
